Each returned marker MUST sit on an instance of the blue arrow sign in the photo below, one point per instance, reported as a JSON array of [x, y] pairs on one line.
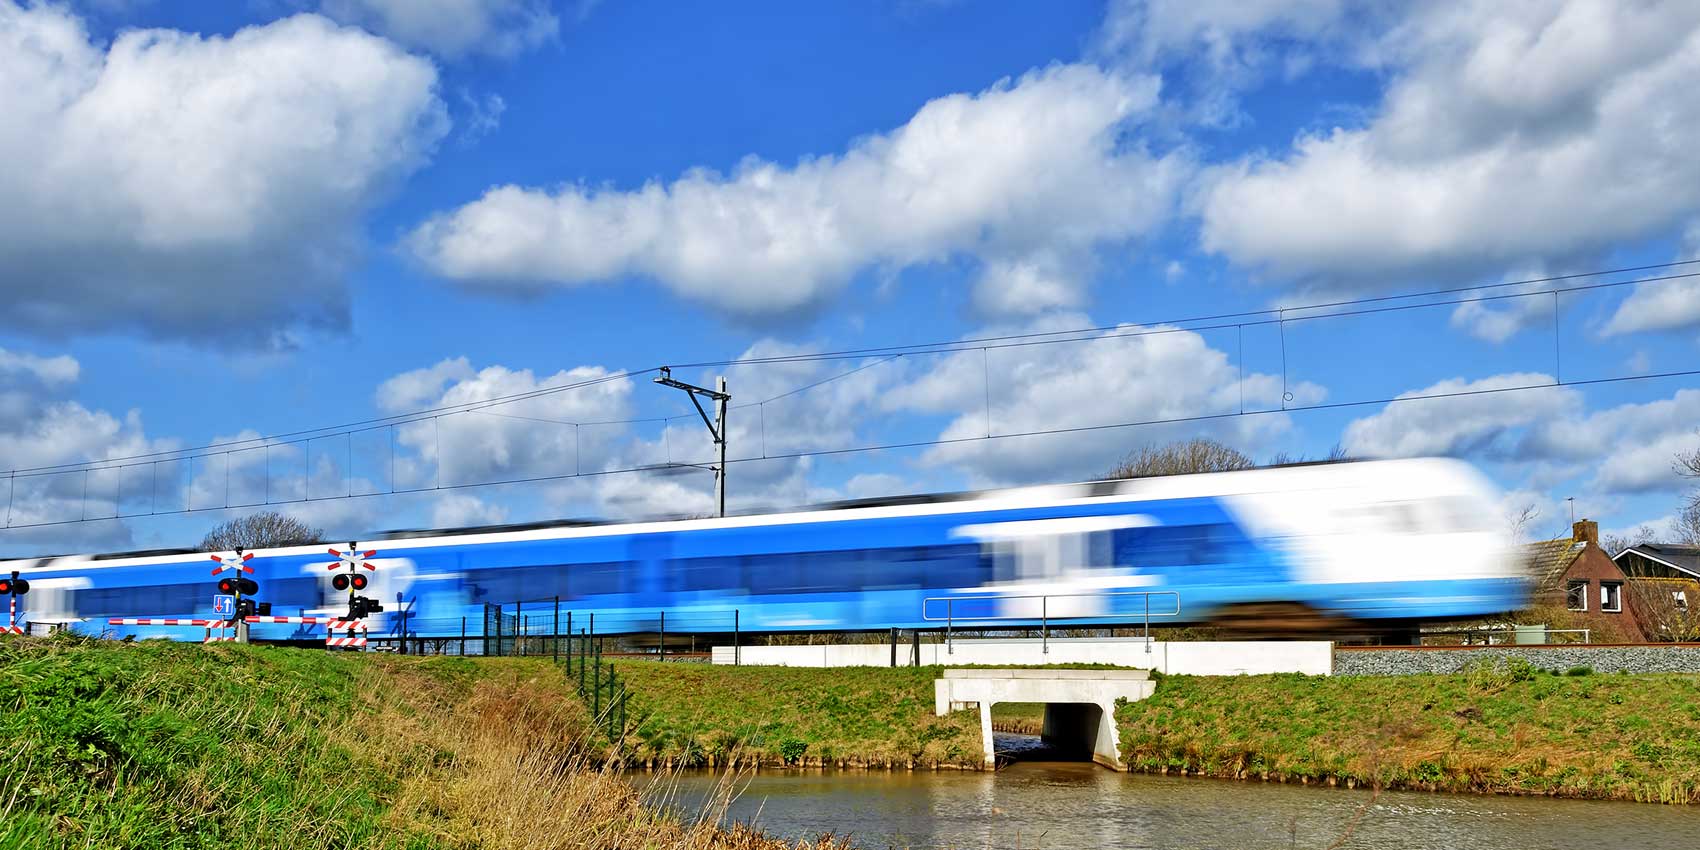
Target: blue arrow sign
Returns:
[[225, 605]]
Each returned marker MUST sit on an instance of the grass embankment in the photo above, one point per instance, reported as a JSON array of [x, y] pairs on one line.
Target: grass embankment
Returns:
[[881, 717], [1021, 718], [162, 745], [1510, 729]]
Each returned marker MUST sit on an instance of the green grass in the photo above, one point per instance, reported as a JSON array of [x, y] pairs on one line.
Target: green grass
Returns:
[[1510, 729], [173, 745], [165, 745], [697, 714], [1025, 718]]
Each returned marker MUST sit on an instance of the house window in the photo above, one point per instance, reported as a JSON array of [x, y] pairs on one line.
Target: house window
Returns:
[[1680, 597], [1611, 596], [1576, 595]]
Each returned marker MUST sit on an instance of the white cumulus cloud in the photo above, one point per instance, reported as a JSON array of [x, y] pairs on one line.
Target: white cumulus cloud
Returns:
[[1028, 177], [454, 28], [1129, 374], [206, 188], [1509, 133]]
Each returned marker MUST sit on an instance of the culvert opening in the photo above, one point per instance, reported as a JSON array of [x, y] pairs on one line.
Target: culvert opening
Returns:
[[1039, 731]]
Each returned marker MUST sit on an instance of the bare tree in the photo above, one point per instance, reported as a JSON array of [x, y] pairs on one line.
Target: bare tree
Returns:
[[1615, 543], [1669, 609], [1518, 521], [1687, 524], [1179, 458], [258, 531], [1283, 458]]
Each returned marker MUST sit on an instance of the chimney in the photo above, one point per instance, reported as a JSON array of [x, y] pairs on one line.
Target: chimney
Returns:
[[1587, 531]]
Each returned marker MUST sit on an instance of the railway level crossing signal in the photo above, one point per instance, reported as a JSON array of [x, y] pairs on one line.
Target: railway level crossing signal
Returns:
[[12, 588], [239, 586], [348, 577]]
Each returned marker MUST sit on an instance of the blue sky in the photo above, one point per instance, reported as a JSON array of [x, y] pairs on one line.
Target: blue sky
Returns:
[[232, 220]]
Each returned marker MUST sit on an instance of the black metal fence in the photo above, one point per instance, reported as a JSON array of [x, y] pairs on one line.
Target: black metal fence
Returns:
[[546, 627]]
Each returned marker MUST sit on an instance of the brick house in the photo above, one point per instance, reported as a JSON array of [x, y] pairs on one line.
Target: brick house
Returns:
[[1575, 573]]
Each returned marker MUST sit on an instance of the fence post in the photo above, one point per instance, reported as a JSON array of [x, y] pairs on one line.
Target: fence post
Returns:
[[463, 637], [736, 659], [569, 642], [916, 659], [555, 633], [583, 652], [662, 646], [894, 646], [612, 691]]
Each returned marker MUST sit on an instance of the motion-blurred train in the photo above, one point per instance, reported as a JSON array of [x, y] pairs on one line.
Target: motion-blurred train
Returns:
[[1386, 543]]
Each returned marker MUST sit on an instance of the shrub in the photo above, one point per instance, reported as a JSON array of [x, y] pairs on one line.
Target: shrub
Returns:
[[792, 750]]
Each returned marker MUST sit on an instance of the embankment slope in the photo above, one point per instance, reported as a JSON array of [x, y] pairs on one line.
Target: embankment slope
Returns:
[[1511, 729]]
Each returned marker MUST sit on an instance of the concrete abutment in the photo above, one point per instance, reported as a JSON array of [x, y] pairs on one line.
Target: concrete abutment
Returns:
[[1080, 705]]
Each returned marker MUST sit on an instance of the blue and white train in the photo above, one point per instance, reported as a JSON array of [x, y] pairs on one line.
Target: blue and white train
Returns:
[[1382, 541]]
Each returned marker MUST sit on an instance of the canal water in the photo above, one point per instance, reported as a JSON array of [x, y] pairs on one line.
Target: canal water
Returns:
[[1034, 805]]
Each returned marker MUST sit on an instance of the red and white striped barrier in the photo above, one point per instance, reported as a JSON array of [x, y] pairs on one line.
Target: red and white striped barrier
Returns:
[[163, 621], [12, 627], [221, 625], [350, 626], [310, 621]]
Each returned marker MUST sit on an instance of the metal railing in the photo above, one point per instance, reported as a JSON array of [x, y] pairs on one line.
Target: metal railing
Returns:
[[949, 618]]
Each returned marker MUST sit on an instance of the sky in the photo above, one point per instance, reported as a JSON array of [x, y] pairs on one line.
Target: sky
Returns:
[[229, 229]]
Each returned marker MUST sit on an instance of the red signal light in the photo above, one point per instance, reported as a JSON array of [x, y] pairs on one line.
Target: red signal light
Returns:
[[340, 581], [5, 586], [359, 581], [227, 586]]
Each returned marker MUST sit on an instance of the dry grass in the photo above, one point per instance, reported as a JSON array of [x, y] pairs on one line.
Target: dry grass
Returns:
[[518, 770]]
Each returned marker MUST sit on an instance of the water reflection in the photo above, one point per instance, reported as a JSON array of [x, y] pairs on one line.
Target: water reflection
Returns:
[[1072, 805]]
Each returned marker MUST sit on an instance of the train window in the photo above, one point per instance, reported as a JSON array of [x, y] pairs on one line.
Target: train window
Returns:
[[596, 579], [702, 574], [949, 566], [801, 572], [568, 581], [1179, 545], [160, 600], [301, 592]]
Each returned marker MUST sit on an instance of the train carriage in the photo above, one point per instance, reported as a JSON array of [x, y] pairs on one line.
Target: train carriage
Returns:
[[1381, 541]]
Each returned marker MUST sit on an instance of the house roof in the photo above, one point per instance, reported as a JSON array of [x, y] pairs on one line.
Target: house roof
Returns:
[[1684, 558], [1549, 559]]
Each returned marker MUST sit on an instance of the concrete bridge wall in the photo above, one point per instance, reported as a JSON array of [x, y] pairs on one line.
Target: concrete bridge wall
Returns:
[[1189, 658], [1080, 710]]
